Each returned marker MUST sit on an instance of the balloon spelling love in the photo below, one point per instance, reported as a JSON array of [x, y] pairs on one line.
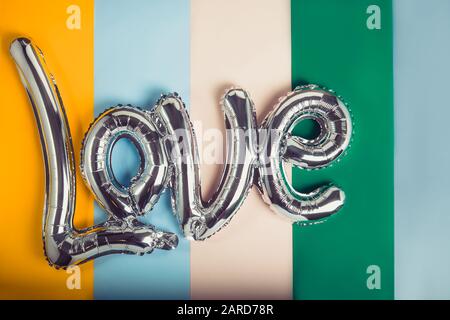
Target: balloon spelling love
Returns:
[[166, 144]]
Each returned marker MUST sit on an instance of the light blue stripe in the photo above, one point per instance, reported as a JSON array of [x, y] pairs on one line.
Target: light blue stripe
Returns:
[[141, 51], [422, 166]]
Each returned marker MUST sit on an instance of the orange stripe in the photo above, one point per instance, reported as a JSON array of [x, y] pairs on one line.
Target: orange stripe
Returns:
[[69, 55]]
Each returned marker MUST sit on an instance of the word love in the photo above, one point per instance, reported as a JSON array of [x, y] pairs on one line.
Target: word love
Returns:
[[166, 144]]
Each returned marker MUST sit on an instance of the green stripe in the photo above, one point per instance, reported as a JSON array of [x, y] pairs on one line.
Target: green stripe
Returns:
[[332, 47]]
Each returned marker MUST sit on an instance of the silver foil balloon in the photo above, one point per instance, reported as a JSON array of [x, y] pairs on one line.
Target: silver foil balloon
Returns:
[[168, 153], [152, 177], [200, 219], [277, 143], [63, 244]]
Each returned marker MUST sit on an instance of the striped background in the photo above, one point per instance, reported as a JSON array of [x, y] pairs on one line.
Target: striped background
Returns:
[[132, 51]]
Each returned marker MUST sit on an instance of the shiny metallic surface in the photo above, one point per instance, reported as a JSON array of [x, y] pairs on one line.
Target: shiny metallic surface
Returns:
[[109, 127], [168, 152], [200, 219], [63, 244], [333, 118]]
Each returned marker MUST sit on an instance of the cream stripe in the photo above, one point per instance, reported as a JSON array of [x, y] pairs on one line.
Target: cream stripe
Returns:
[[247, 44]]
